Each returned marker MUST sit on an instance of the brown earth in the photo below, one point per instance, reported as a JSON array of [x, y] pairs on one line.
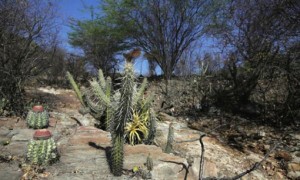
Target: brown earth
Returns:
[[229, 150]]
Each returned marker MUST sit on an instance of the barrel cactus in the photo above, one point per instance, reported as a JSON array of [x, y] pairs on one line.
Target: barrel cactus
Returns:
[[37, 118], [41, 150]]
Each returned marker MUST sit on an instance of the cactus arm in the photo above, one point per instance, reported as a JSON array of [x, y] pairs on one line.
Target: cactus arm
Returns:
[[101, 79], [108, 109], [98, 91], [76, 89], [140, 92]]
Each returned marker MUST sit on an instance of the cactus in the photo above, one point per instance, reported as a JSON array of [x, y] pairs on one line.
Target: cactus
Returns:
[[76, 89], [42, 149], [37, 118], [149, 163], [170, 140], [116, 109], [3, 103], [151, 128], [122, 114]]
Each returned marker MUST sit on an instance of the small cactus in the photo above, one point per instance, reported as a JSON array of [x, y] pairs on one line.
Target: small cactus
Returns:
[[169, 146], [149, 163], [37, 118], [42, 149]]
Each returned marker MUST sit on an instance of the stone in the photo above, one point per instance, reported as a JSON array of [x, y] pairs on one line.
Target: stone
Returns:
[[165, 117], [293, 175], [294, 167], [278, 175], [283, 155], [4, 131], [23, 135], [7, 173]]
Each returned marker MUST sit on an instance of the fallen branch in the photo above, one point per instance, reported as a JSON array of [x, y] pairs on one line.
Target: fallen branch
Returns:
[[255, 166], [202, 156]]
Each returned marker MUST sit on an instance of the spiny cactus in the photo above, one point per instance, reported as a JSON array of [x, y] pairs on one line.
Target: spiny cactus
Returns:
[[37, 118], [149, 163], [122, 114], [42, 152], [117, 108], [151, 128], [170, 140], [76, 88], [3, 103]]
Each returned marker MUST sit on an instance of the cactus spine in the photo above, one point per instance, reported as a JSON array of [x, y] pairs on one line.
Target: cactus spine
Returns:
[[122, 114], [37, 120], [42, 152]]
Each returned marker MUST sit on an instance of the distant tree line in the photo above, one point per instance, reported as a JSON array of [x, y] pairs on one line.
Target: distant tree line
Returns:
[[258, 43]]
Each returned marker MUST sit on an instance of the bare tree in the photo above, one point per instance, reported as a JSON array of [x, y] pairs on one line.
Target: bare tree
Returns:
[[28, 39], [254, 33], [163, 28]]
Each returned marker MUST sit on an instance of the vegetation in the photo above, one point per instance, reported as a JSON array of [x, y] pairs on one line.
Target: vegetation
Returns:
[[28, 40], [126, 112], [37, 120], [42, 152], [238, 59]]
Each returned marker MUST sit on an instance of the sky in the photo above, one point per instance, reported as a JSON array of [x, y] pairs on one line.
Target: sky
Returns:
[[77, 9], [72, 9]]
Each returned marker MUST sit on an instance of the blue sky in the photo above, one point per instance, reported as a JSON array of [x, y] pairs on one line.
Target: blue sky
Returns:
[[72, 9], [78, 9]]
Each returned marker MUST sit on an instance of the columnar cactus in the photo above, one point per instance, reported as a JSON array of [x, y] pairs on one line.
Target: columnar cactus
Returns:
[[37, 118], [116, 109], [122, 114], [169, 145], [149, 163], [42, 149]]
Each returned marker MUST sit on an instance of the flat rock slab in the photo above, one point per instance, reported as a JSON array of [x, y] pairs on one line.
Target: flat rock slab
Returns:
[[85, 157]]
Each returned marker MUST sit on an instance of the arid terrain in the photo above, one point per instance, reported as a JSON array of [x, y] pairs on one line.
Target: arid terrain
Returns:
[[232, 146]]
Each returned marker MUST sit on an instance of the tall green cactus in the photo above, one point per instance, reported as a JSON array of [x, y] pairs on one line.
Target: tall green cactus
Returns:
[[169, 145], [122, 114], [118, 106]]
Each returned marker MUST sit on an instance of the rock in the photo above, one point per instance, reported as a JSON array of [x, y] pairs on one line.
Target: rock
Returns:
[[165, 117], [283, 155], [9, 173], [293, 175], [87, 120], [294, 167], [52, 122], [23, 135], [4, 131], [293, 170], [17, 148], [165, 166], [296, 136], [209, 169], [266, 147], [278, 175]]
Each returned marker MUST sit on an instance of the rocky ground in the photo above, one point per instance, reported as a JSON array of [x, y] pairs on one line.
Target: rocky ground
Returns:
[[229, 150]]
